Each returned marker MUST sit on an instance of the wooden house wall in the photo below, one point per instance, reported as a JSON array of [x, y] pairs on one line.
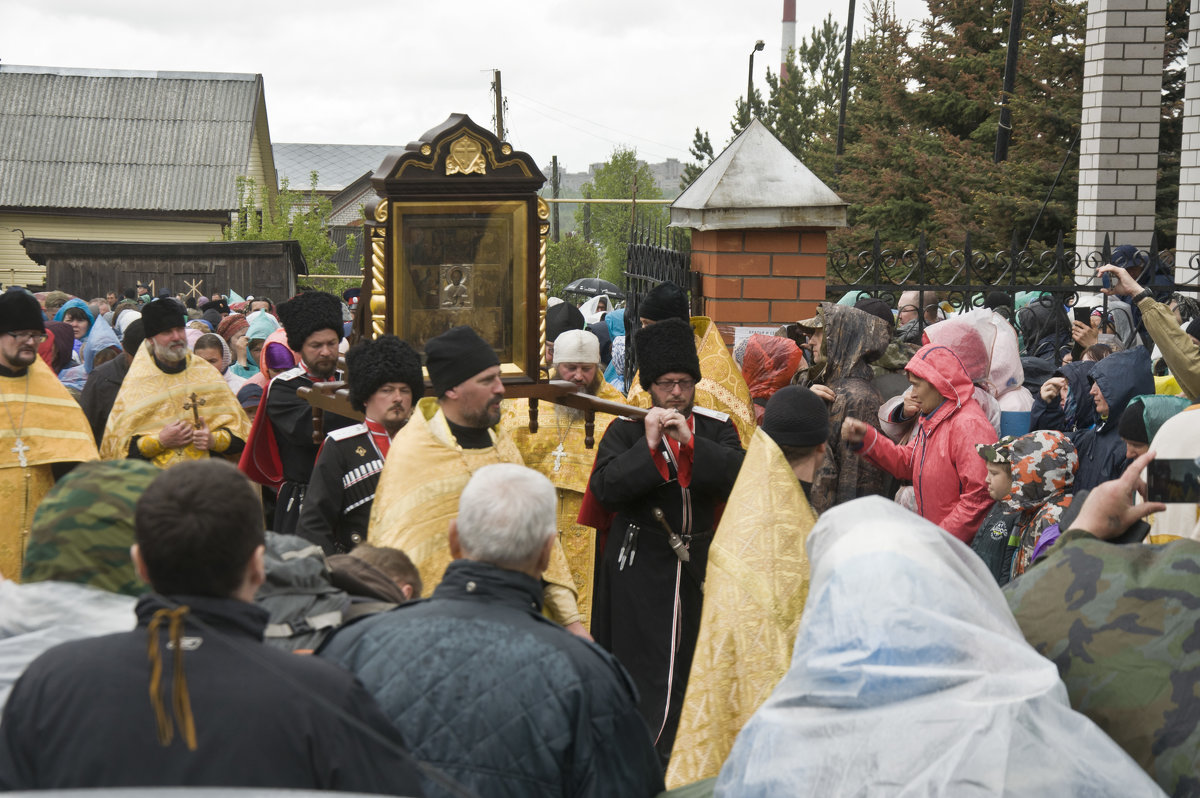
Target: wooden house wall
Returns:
[[16, 267], [196, 274]]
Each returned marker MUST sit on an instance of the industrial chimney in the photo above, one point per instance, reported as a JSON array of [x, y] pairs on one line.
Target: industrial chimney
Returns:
[[789, 36]]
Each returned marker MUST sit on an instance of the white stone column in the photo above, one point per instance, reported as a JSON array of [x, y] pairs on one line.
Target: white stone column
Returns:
[[1118, 146], [1187, 242]]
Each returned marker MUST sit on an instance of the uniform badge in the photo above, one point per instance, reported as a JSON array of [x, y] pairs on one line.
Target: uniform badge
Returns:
[[360, 451]]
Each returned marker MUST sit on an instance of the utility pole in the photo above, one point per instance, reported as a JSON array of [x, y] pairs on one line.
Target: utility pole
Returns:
[[1004, 131], [499, 104], [841, 134], [554, 188]]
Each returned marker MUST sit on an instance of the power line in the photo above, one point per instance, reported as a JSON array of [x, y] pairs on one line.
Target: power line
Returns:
[[593, 123]]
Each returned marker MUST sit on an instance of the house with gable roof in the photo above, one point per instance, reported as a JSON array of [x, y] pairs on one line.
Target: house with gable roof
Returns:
[[119, 155]]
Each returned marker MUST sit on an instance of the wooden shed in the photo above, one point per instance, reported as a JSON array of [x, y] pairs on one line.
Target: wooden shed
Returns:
[[93, 268]]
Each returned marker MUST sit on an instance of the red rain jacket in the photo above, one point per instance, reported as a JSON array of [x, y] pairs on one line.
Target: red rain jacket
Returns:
[[948, 475]]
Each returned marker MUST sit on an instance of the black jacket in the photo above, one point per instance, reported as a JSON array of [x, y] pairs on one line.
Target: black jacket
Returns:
[[81, 716], [100, 391], [499, 697]]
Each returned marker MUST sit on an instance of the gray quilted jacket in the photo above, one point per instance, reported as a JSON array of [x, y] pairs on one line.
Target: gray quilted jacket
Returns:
[[491, 693]]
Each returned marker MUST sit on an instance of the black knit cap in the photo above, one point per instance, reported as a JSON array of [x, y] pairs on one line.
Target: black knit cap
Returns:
[[162, 315], [375, 363], [20, 311], [1132, 426], [665, 301], [877, 308], [562, 317], [456, 356], [308, 313], [795, 416], [664, 347]]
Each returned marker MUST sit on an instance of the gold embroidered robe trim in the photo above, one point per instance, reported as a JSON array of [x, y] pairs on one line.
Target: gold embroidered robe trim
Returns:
[[422, 478], [556, 425], [756, 586], [150, 398], [721, 385], [54, 429]]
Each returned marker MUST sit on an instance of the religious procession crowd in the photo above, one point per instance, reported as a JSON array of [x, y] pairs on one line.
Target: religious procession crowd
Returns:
[[884, 550]]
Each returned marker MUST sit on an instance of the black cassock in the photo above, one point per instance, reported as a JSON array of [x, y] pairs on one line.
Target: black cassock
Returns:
[[646, 609], [337, 504], [292, 419]]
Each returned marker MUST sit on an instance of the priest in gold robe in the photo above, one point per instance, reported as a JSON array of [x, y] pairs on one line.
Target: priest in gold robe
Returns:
[[43, 432], [450, 436], [558, 450], [173, 406], [722, 386], [756, 585]]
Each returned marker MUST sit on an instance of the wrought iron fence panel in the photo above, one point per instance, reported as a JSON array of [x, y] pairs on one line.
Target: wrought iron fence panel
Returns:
[[656, 254]]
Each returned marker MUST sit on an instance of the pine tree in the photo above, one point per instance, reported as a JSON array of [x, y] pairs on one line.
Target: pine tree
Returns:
[[702, 153]]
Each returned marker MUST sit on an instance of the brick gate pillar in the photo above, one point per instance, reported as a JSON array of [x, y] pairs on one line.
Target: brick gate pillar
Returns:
[[1118, 143], [1187, 242], [759, 221]]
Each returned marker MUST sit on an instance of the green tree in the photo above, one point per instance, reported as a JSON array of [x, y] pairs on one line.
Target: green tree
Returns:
[[802, 107], [1170, 132], [569, 259], [702, 153], [293, 216], [621, 177]]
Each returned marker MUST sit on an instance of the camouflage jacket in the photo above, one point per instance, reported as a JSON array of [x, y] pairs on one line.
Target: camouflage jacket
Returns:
[[1120, 623]]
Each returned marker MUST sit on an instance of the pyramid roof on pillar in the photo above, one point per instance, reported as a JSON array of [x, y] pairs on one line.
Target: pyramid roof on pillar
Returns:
[[757, 183]]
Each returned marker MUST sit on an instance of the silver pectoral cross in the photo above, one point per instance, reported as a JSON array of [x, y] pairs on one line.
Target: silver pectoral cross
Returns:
[[21, 448], [558, 455]]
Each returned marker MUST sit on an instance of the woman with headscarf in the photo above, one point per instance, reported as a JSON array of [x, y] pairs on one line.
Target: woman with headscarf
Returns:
[[768, 364], [234, 329], [76, 314], [910, 676]]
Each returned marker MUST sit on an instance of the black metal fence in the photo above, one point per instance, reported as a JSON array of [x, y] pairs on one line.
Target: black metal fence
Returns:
[[656, 254], [963, 277]]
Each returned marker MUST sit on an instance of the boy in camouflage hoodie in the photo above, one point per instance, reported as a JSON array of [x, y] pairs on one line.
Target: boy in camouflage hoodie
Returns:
[[1030, 478]]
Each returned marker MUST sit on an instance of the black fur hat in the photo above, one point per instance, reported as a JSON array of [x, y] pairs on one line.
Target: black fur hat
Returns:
[[375, 363], [664, 301], [161, 315], [307, 313], [664, 347]]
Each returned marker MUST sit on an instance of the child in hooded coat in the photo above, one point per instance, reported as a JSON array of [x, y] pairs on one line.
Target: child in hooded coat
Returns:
[[1031, 479]]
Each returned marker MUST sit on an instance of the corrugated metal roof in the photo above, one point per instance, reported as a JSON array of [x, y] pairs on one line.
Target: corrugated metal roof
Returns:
[[123, 140], [336, 165]]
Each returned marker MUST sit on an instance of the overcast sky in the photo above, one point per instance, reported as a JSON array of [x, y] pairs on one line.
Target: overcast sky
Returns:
[[581, 77]]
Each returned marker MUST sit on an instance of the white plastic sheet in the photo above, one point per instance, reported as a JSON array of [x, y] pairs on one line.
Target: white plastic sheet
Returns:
[[39, 616], [910, 677]]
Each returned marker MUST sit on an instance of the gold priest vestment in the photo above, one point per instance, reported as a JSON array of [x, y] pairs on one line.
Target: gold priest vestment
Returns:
[[754, 594], [150, 398], [721, 385], [557, 451], [422, 478], [42, 425]]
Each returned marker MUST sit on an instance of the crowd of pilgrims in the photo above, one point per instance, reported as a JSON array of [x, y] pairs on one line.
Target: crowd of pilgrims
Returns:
[[895, 547]]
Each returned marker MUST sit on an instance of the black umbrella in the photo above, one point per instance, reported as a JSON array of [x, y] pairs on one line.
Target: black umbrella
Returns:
[[594, 286]]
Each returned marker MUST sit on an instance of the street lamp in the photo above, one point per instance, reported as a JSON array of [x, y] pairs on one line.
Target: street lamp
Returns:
[[758, 45]]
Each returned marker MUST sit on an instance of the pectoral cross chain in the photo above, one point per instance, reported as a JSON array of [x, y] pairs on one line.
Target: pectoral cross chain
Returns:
[[194, 404], [21, 448]]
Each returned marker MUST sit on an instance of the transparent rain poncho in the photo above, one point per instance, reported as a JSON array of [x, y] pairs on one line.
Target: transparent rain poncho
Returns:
[[910, 677]]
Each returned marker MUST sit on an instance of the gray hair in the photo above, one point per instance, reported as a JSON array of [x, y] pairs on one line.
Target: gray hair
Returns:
[[505, 515]]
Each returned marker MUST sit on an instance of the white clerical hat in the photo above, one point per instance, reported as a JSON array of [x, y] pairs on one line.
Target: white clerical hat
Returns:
[[576, 346]]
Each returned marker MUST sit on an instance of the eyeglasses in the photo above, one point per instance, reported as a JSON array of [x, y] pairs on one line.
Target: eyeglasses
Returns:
[[28, 335], [671, 385]]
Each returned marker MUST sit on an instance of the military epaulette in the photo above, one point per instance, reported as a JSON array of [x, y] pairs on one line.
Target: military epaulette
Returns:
[[717, 414], [342, 433], [290, 374]]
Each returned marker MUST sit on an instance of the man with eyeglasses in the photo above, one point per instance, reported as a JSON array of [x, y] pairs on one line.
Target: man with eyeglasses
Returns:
[[664, 479], [43, 432]]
